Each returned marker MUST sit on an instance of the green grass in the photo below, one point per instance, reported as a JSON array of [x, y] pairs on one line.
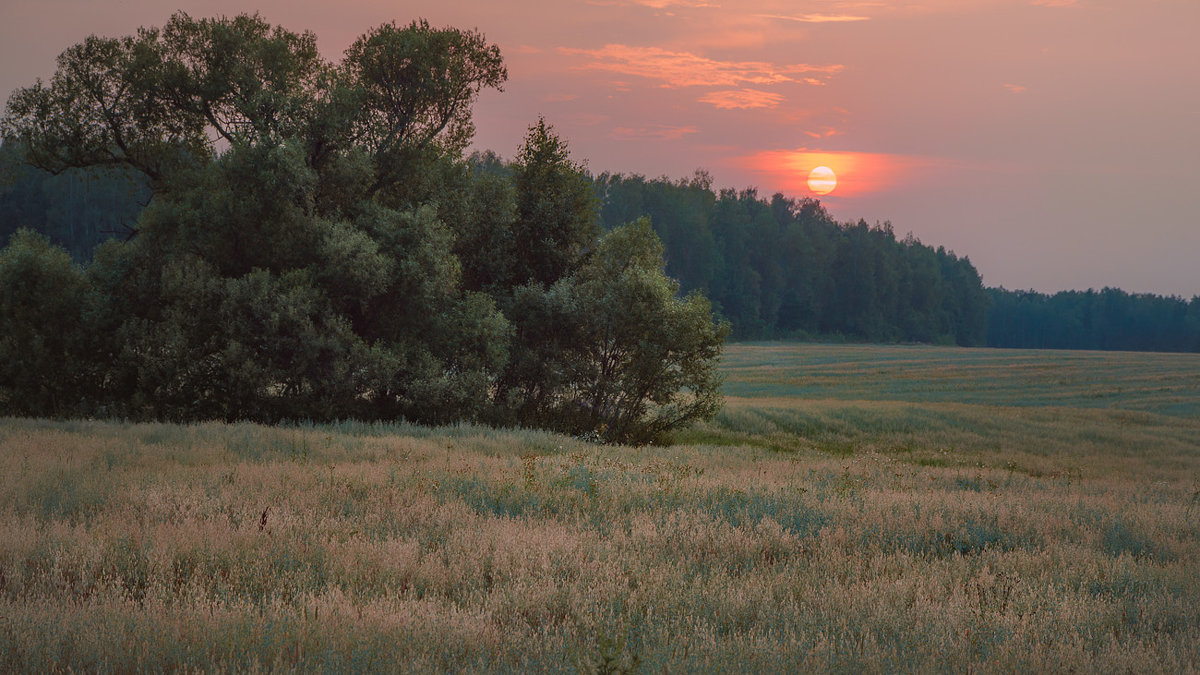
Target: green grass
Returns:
[[852, 509], [1166, 384], [1037, 412]]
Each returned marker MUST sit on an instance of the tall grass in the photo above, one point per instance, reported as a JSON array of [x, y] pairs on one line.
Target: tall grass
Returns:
[[845, 534]]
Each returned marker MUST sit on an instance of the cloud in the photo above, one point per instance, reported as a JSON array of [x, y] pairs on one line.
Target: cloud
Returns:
[[816, 18], [1015, 88], [684, 69], [742, 98], [559, 98], [653, 4], [825, 132], [654, 132]]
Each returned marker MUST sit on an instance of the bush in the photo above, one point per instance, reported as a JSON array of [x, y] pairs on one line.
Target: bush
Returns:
[[612, 349], [44, 329]]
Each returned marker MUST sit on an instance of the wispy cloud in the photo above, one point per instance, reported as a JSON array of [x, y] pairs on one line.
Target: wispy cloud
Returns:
[[816, 18], [1015, 88], [559, 98], [656, 132], [742, 98], [826, 132], [654, 4], [684, 69]]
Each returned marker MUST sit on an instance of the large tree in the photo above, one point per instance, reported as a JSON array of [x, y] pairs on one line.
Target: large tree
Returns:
[[280, 270], [641, 361], [316, 246], [603, 344]]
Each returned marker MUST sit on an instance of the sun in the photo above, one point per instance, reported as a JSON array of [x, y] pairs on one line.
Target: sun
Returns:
[[822, 180]]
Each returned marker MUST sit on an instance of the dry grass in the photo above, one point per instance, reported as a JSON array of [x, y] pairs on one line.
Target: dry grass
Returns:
[[853, 533]]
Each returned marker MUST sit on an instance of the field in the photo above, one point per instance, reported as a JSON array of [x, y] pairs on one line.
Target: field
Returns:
[[852, 509]]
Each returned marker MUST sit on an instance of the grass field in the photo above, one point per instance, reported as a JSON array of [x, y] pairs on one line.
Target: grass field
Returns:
[[852, 509]]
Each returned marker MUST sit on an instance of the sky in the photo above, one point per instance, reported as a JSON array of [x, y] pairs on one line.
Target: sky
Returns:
[[1055, 143]]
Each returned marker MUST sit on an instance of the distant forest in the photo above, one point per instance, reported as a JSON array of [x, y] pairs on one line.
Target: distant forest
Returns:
[[1110, 319], [76, 209], [774, 268], [783, 268]]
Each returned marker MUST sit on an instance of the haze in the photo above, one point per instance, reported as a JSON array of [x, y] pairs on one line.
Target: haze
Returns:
[[1053, 142]]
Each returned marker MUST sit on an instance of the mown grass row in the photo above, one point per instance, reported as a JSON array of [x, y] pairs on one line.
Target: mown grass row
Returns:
[[1167, 384]]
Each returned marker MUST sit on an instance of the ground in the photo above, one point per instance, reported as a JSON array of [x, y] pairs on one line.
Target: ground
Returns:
[[853, 508]]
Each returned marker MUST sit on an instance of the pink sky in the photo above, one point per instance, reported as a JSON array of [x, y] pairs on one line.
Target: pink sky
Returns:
[[1054, 142]]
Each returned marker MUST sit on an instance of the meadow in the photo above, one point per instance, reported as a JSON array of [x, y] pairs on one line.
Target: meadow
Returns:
[[852, 509]]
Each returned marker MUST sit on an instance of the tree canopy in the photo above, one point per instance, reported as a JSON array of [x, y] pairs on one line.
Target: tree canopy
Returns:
[[783, 267], [1109, 319], [315, 246]]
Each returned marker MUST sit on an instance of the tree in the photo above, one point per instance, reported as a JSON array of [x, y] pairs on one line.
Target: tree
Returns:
[[602, 343], [266, 281], [1105, 319], [76, 209], [45, 311], [620, 354], [556, 210], [646, 363], [680, 213], [413, 88], [304, 252], [486, 237], [103, 107], [542, 237], [164, 100], [785, 268]]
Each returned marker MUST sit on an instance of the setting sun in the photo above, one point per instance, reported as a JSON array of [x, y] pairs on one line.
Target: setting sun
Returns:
[[822, 180]]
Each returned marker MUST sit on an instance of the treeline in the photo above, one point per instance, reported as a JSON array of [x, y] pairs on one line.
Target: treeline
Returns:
[[783, 268], [317, 247], [351, 144], [1110, 319], [77, 209]]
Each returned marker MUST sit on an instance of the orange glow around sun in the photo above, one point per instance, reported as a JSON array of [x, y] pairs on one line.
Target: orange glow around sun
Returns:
[[850, 174]]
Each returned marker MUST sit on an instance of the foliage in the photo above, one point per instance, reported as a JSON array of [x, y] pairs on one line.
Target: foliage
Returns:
[[811, 278], [784, 267], [603, 344], [316, 247], [613, 349], [555, 220], [77, 209], [268, 311], [414, 86], [643, 360], [1110, 319], [45, 311]]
